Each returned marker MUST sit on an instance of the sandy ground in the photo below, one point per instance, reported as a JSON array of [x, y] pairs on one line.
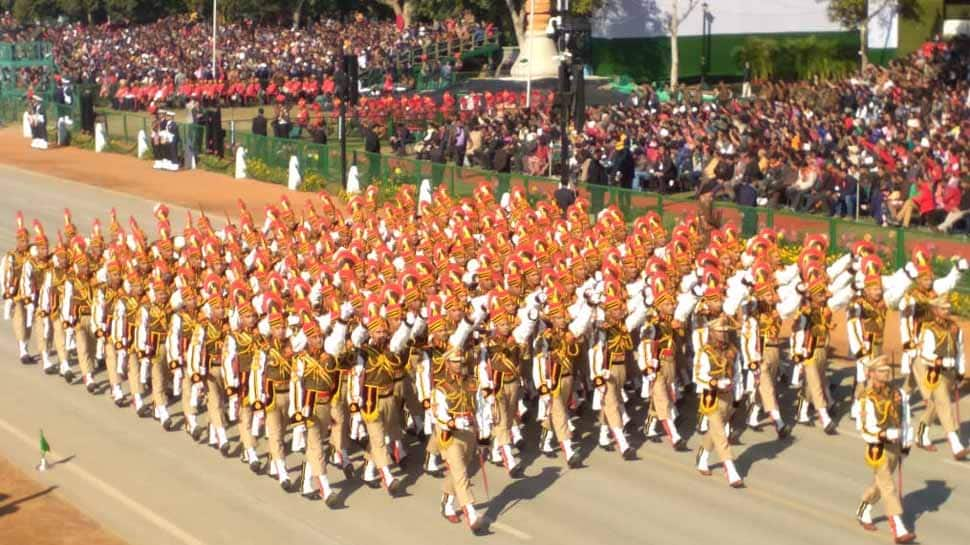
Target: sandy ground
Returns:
[[33, 513]]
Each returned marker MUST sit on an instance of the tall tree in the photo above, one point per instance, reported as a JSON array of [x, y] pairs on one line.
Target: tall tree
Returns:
[[673, 16], [855, 14]]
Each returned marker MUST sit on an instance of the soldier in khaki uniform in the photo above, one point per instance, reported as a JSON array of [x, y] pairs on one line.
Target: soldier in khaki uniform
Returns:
[[32, 276], [106, 297], [866, 324], [882, 429], [658, 357], [273, 383], [939, 366], [52, 296], [715, 378], [239, 356], [316, 376], [11, 268], [208, 342], [810, 341], [124, 325], [373, 399], [186, 382], [611, 347], [453, 405], [76, 314], [504, 381], [153, 317]]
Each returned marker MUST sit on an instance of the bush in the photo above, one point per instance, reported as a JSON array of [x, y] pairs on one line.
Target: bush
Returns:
[[798, 58]]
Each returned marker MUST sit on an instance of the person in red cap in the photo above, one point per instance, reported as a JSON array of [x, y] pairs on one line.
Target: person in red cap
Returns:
[[185, 384], [715, 380], [810, 341], [11, 271], [239, 359], [76, 313]]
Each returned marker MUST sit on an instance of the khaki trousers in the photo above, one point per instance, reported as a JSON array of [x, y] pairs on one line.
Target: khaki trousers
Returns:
[[85, 344], [340, 424], [715, 440], [939, 403], [187, 408], [612, 413], [276, 423], [395, 424], [215, 398], [660, 390], [60, 338], [43, 341], [19, 322], [245, 425], [317, 430], [458, 453], [884, 485], [506, 410], [159, 381], [111, 363], [406, 396], [134, 373], [769, 372], [815, 380], [558, 419], [376, 429]]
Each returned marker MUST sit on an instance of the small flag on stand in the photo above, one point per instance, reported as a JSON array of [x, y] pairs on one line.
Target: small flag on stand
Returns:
[[44, 449]]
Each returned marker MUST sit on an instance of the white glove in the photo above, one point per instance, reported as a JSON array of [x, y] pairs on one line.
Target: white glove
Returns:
[[541, 297], [723, 383], [533, 314], [892, 434], [346, 311], [409, 318], [962, 265], [7, 309], [462, 423]]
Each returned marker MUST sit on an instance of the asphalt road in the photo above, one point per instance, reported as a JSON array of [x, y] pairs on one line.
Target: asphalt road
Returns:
[[153, 487]]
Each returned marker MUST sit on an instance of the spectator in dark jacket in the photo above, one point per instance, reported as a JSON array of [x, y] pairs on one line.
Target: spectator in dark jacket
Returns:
[[259, 123]]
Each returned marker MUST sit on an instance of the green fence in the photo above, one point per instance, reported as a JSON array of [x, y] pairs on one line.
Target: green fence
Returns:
[[268, 160]]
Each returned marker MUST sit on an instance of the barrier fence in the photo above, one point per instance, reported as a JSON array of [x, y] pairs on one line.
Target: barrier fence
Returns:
[[268, 159]]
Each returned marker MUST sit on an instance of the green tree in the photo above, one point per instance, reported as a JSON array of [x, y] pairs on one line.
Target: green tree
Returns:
[[34, 10], [855, 14], [80, 9]]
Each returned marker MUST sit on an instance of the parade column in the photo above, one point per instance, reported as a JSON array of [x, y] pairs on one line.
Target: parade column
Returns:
[[536, 55]]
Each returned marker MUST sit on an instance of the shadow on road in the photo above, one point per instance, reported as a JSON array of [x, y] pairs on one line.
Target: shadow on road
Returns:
[[12, 507], [63, 460], [523, 489], [927, 499]]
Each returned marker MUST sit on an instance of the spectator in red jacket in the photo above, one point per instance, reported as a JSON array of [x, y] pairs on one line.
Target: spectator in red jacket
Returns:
[[923, 202]]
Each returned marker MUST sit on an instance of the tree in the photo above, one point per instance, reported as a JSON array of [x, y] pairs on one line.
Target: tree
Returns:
[[855, 14], [672, 20], [82, 9], [34, 10]]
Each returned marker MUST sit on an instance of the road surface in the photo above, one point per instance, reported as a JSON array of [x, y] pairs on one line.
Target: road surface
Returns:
[[153, 487]]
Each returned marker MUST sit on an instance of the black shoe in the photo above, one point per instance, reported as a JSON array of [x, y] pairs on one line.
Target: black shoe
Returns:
[[332, 501], [574, 462], [68, 377], [256, 467], [348, 471], [478, 528], [516, 472], [830, 429], [629, 454], [607, 447], [312, 496], [287, 486], [99, 363], [169, 425], [121, 402], [395, 487], [52, 370], [144, 412], [681, 445], [92, 388], [375, 484], [195, 434], [784, 432], [224, 449], [26, 360], [734, 438]]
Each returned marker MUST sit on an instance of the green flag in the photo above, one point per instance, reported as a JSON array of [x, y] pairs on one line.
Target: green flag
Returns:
[[44, 446]]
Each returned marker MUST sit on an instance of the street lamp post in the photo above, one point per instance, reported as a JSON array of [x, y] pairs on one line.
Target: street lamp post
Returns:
[[705, 32]]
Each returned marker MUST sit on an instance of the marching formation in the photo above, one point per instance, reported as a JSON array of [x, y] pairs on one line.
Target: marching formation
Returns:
[[462, 321]]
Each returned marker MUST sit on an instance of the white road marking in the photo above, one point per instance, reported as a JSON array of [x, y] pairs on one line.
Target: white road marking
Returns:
[[146, 513], [514, 532]]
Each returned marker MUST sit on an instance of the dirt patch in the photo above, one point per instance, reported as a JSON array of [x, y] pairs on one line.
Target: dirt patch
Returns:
[[195, 189], [33, 513]]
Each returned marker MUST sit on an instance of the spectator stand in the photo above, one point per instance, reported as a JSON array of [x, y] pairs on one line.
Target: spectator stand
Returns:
[[22, 62]]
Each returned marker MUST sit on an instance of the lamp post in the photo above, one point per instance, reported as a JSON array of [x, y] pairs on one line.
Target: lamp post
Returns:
[[705, 35], [215, 8]]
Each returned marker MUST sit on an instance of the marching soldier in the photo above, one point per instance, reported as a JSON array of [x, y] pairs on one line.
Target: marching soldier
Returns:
[[31, 282], [374, 397], [715, 378], [13, 303], [76, 313], [866, 325], [454, 410], [240, 356], [658, 353], [150, 339], [207, 344], [186, 382], [939, 368], [611, 346], [106, 297], [883, 421], [556, 349], [51, 299], [272, 384], [760, 349], [317, 378], [124, 325], [810, 339]]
